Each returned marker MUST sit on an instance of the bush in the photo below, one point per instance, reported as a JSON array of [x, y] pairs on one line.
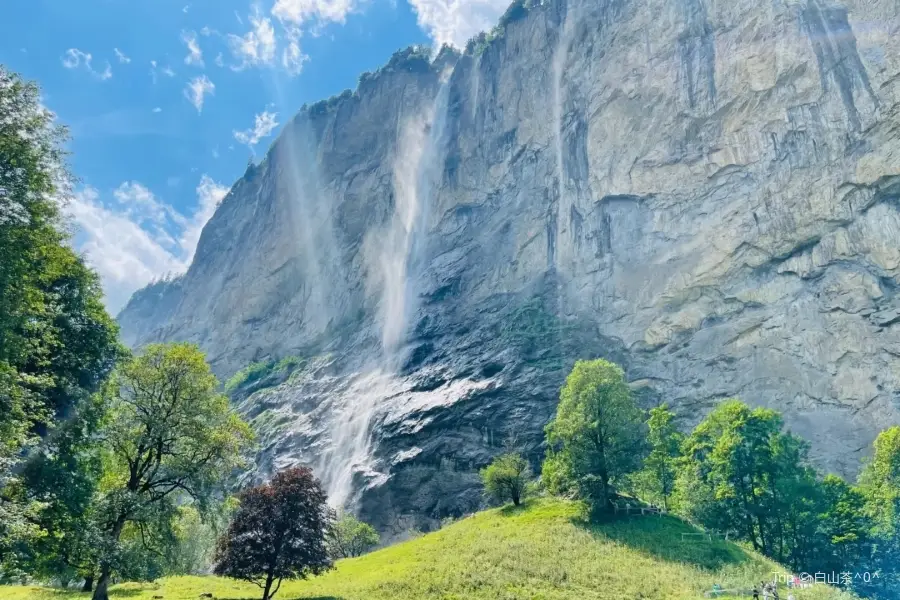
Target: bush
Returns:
[[348, 537], [507, 478]]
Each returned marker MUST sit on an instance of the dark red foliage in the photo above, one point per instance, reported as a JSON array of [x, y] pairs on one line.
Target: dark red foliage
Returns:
[[278, 532]]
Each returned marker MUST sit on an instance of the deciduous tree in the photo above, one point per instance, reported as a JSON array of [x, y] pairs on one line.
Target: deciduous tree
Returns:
[[169, 433], [278, 532], [506, 478], [348, 537], [597, 435]]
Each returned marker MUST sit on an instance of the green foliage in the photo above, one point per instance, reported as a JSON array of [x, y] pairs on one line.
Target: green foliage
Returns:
[[168, 434], [349, 537], [543, 550], [879, 483], [57, 343], [258, 371], [278, 532], [249, 374], [740, 473], [506, 478], [656, 481], [597, 436]]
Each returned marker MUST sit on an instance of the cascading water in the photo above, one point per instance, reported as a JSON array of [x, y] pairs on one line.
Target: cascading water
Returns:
[[558, 64], [417, 167]]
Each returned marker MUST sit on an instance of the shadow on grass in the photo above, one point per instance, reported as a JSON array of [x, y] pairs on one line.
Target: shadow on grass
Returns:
[[511, 510], [131, 592], [661, 536]]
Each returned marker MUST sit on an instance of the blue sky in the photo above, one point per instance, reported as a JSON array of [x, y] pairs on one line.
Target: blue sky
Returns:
[[166, 100]]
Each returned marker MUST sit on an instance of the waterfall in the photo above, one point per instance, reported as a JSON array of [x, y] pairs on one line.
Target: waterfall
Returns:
[[418, 167], [417, 171], [560, 54]]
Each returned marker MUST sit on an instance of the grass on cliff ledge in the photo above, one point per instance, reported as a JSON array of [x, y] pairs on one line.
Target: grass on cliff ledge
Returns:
[[542, 551]]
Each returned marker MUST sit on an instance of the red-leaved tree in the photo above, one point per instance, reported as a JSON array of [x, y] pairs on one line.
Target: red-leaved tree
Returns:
[[277, 533]]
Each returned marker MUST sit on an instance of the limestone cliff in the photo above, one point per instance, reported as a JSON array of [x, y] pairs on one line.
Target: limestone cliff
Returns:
[[704, 191]]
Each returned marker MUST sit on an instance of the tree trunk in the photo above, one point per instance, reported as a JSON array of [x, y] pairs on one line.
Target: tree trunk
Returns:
[[102, 591], [516, 498], [268, 587], [88, 584]]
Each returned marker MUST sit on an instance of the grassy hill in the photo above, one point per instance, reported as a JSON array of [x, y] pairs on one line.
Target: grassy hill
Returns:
[[542, 551]]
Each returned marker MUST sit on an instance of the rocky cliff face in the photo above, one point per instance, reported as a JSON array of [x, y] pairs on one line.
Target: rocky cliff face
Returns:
[[706, 192]]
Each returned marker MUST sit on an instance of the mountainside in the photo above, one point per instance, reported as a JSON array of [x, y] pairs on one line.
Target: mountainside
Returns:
[[543, 551], [705, 192]]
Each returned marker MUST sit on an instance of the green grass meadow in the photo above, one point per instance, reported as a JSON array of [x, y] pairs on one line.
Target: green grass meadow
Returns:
[[544, 550]]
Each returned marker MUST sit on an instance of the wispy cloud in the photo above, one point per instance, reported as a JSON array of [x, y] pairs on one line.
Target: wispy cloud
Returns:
[[121, 56], [292, 57], [75, 58], [157, 109], [264, 124], [257, 46], [125, 255], [454, 22], [197, 89], [301, 11], [155, 69], [209, 195], [195, 55], [135, 238]]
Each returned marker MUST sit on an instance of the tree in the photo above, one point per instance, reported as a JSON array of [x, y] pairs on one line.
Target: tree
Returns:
[[348, 537], [506, 478], [879, 482], [656, 481], [168, 434], [597, 435], [741, 473], [57, 343], [278, 532]]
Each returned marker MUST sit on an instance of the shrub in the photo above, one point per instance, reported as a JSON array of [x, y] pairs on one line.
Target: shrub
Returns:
[[348, 537], [506, 478]]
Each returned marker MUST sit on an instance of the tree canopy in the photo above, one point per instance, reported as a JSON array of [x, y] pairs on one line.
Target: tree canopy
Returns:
[[348, 537], [278, 532], [506, 478], [57, 342], [597, 435], [168, 433]]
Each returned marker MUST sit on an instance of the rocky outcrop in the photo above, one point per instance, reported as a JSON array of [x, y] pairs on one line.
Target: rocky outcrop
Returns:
[[706, 192]]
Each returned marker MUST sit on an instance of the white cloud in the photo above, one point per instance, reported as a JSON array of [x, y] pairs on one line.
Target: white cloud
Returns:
[[140, 206], [157, 109], [257, 46], [209, 195], [154, 69], [197, 89], [126, 256], [124, 242], [75, 58], [264, 124], [220, 60], [195, 55], [301, 11], [292, 57], [121, 56], [454, 22]]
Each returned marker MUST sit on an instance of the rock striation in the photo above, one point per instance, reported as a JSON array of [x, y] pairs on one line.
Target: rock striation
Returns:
[[706, 192]]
